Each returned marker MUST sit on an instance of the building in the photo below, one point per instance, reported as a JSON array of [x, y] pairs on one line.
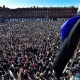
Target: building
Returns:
[[37, 12]]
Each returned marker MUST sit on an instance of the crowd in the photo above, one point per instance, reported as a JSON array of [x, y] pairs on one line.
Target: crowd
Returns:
[[28, 50]]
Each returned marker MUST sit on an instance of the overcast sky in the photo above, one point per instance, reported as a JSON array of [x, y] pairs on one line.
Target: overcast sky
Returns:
[[39, 3]]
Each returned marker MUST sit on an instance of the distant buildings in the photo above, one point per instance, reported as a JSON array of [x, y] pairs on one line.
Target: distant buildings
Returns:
[[37, 12]]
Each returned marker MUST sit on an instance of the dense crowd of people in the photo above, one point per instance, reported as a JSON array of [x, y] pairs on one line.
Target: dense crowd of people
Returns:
[[28, 50]]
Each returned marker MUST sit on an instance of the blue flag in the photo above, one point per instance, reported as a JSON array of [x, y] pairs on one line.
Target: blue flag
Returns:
[[67, 26]]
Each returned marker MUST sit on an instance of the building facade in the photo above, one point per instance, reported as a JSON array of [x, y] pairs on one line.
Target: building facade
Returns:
[[37, 12]]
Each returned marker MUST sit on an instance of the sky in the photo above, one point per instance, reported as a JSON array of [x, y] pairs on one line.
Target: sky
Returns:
[[39, 3]]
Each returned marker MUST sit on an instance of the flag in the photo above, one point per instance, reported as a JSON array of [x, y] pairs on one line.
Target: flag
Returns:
[[69, 45], [67, 26]]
